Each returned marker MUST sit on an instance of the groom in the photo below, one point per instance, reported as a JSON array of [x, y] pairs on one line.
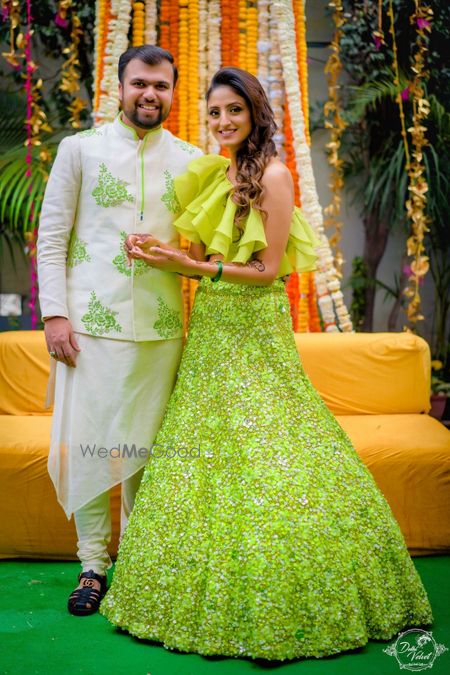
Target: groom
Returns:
[[113, 330]]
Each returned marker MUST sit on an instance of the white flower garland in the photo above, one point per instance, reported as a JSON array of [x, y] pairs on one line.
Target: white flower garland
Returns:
[[213, 62], [202, 72], [263, 43], [150, 22], [116, 44], [276, 89], [327, 281]]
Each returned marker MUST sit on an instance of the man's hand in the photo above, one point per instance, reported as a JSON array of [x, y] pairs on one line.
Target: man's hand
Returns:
[[61, 340]]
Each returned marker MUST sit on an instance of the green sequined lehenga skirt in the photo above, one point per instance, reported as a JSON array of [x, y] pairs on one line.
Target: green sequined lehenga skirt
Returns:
[[257, 530]]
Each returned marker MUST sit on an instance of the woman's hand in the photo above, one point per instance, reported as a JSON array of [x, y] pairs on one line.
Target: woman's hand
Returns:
[[144, 241], [166, 259]]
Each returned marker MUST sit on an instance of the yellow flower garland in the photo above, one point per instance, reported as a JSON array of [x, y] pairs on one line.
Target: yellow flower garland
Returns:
[[418, 188], [337, 126]]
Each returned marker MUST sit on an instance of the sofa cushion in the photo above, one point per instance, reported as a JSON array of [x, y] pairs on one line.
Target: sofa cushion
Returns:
[[32, 523], [368, 373], [24, 370], [409, 457]]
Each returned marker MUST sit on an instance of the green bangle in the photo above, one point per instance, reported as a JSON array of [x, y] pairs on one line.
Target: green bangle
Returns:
[[219, 273]]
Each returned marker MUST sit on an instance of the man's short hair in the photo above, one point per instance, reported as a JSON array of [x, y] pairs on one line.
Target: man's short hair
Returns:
[[149, 54]]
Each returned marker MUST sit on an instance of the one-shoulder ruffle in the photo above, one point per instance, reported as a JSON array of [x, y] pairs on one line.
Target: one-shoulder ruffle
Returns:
[[204, 194]]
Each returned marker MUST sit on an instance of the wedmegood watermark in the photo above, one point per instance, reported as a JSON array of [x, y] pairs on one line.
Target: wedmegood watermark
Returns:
[[157, 451], [415, 649]]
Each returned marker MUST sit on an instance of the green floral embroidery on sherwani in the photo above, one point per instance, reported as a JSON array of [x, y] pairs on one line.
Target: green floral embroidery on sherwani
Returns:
[[90, 132], [110, 191], [99, 319], [120, 261], [170, 198], [169, 321], [187, 147], [77, 252]]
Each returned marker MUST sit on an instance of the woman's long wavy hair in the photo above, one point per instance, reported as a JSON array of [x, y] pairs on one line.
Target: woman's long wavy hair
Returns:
[[258, 148]]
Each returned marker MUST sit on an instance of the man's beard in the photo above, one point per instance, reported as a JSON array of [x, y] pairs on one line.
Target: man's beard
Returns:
[[133, 116]]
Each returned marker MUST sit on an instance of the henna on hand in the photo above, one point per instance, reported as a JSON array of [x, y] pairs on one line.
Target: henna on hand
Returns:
[[257, 264]]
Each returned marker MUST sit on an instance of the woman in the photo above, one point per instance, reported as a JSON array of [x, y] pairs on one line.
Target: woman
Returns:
[[257, 530]]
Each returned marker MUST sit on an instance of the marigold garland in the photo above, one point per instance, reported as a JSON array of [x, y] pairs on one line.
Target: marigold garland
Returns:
[[252, 37], [242, 23], [326, 275], [213, 62], [116, 42], [193, 80], [151, 19], [276, 84], [102, 17], [138, 24], [255, 35], [302, 59], [263, 44]]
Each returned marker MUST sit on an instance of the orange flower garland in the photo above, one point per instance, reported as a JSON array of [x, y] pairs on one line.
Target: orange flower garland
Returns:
[[183, 69], [299, 13], [229, 30], [252, 38], [138, 24]]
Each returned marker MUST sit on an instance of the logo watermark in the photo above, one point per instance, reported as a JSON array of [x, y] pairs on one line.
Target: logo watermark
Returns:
[[156, 451], [415, 649]]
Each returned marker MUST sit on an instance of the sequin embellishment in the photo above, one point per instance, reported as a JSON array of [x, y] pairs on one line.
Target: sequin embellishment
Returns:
[[272, 539]]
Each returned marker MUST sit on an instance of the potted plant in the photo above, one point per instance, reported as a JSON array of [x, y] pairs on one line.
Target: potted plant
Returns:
[[440, 390]]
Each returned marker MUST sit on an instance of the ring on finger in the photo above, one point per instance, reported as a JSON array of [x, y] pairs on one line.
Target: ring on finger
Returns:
[[52, 354]]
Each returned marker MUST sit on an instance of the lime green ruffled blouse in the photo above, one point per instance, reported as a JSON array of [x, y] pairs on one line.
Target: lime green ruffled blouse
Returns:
[[204, 194]]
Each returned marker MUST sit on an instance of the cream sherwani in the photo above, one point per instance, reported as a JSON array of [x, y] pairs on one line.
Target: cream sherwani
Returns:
[[105, 184]]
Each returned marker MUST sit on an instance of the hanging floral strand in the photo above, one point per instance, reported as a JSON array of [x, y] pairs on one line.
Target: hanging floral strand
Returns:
[[138, 24], [35, 123], [70, 76], [330, 298], [336, 124], [418, 187], [117, 23], [11, 11]]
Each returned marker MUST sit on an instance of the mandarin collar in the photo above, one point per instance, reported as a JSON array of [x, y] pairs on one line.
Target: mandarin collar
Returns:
[[125, 131]]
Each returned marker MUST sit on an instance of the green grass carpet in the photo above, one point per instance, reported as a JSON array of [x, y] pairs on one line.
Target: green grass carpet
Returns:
[[38, 636]]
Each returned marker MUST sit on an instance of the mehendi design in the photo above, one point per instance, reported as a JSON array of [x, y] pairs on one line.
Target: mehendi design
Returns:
[[257, 264]]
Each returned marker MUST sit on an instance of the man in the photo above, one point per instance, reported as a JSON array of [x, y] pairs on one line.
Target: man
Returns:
[[114, 329]]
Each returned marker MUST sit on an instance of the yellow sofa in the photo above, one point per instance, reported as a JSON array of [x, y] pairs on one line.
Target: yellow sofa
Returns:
[[376, 384]]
